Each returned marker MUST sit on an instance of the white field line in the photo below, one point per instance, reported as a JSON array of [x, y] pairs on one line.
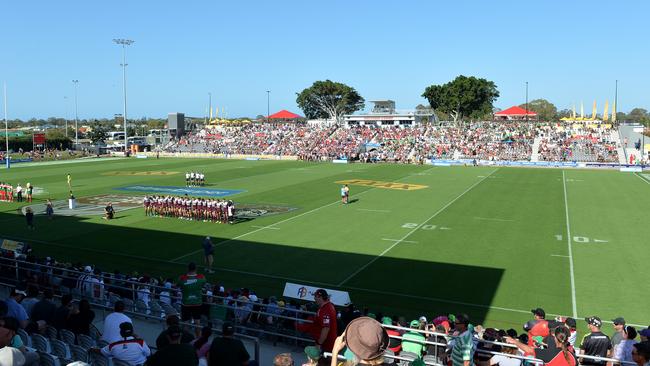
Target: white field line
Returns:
[[560, 255], [370, 210], [58, 162], [492, 219], [266, 227], [643, 179], [279, 222], [574, 306], [414, 230], [403, 241], [302, 280]]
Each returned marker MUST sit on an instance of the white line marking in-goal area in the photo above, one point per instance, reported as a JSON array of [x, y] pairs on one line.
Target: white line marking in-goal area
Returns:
[[280, 222], [560, 255], [414, 230], [492, 219], [370, 210], [642, 178], [574, 306]]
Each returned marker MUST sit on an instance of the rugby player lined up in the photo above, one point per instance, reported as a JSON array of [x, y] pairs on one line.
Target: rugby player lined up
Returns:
[[194, 179], [190, 208]]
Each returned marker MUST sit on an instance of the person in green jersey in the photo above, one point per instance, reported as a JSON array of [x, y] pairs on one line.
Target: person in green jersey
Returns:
[[191, 285]]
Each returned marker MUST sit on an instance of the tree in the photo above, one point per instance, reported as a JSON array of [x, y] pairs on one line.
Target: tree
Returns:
[[546, 111], [638, 115], [329, 99], [98, 134], [463, 97]]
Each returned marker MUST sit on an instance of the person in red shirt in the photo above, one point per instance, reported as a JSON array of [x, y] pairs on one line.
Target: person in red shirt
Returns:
[[537, 327], [325, 321]]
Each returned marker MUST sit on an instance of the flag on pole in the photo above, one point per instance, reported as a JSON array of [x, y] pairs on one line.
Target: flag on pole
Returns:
[[582, 110], [573, 115], [606, 112], [593, 111], [210, 113], [614, 111]]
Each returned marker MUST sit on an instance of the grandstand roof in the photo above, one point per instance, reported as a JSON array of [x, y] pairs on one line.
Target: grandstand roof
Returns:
[[284, 114], [515, 111]]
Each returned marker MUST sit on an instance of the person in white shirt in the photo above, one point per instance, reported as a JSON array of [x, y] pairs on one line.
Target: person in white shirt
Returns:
[[112, 323], [128, 348]]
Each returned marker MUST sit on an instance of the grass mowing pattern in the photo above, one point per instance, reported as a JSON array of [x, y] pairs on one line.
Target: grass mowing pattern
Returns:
[[488, 241]]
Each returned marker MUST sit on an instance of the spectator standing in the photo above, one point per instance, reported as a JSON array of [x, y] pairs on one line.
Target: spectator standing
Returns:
[[175, 353], [394, 344], [413, 341], [538, 327], [44, 309], [191, 285], [112, 323], [226, 350], [49, 209], [463, 346], [14, 309], [623, 350], [29, 217], [208, 254], [619, 331], [325, 321], [128, 348], [595, 343]]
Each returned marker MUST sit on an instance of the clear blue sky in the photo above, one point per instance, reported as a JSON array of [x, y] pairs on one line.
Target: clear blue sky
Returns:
[[568, 51]]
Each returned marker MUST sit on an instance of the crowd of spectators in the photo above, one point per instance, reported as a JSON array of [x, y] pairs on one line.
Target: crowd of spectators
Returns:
[[363, 336], [482, 140]]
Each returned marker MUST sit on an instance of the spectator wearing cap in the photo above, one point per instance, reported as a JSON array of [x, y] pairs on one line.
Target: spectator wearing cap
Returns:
[[641, 353], [623, 350], [113, 321], [557, 354], [595, 343], [619, 331], [175, 353], [644, 334], [394, 344], [172, 320], [462, 346], [283, 359], [14, 309], [325, 321], [313, 356], [571, 324], [538, 327], [413, 341], [226, 350], [129, 348], [365, 338]]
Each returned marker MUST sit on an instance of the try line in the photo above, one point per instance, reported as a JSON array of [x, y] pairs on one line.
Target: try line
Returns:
[[574, 306]]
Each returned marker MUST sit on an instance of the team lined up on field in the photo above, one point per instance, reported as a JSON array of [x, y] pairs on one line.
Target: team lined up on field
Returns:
[[10, 194], [190, 208], [193, 179]]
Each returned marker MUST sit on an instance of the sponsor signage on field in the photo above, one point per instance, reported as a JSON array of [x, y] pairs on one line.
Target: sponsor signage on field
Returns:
[[306, 293], [192, 191], [631, 169], [340, 161], [380, 184]]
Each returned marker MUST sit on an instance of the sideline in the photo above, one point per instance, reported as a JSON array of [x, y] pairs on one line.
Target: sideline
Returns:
[[58, 162], [414, 230]]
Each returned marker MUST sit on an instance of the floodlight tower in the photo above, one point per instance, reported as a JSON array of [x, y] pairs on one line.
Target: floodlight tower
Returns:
[[124, 43]]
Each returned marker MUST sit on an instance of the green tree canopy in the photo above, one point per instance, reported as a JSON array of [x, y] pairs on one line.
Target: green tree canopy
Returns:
[[329, 99], [463, 97], [546, 111], [639, 115], [98, 134]]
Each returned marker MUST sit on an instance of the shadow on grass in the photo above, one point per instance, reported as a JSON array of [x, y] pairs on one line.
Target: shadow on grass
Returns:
[[411, 287]]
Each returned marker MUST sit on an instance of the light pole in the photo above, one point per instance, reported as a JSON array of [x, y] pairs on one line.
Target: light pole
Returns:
[[268, 99], [6, 127], [124, 43], [526, 102], [76, 116]]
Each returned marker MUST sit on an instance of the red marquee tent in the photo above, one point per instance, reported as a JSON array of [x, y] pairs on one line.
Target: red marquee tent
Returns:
[[285, 114], [514, 113]]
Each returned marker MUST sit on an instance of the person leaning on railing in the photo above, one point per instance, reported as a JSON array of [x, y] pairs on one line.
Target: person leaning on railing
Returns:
[[558, 353]]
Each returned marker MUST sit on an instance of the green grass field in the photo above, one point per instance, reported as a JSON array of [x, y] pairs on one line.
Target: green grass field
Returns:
[[492, 242]]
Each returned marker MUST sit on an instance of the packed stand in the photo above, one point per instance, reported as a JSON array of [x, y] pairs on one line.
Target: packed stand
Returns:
[[577, 143]]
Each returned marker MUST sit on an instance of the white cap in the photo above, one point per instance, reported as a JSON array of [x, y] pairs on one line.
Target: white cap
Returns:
[[423, 319], [253, 298], [88, 269], [11, 356]]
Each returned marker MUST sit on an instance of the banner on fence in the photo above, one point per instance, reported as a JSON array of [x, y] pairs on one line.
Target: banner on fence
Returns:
[[304, 292]]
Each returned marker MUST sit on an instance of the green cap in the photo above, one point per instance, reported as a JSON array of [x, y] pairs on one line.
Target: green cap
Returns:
[[372, 315], [387, 320], [313, 353], [415, 324]]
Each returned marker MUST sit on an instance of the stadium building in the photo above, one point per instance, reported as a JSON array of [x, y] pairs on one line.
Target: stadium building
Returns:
[[384, 114]]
